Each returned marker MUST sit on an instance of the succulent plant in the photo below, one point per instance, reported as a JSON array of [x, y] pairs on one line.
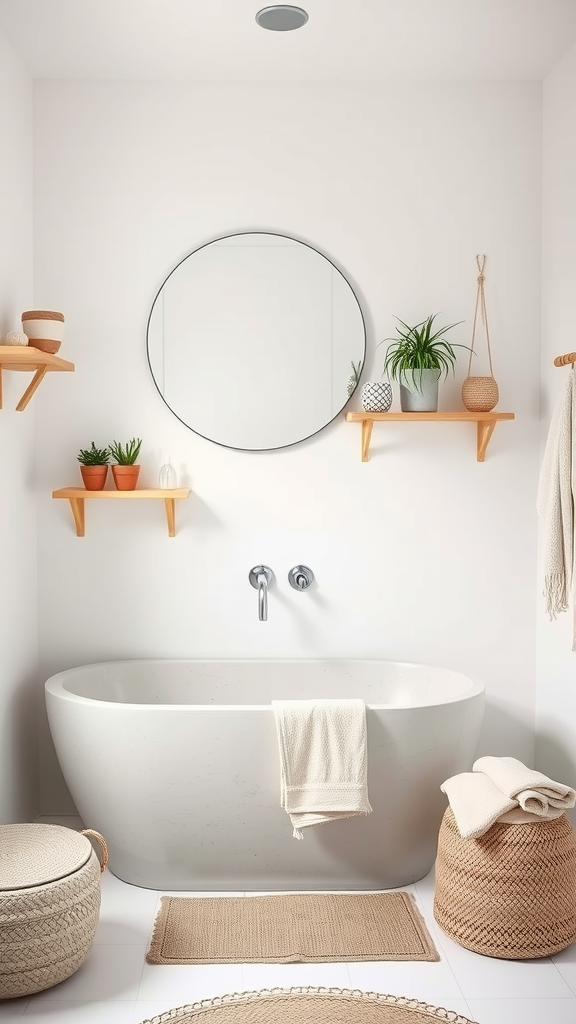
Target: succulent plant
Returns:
[[126, 455], [93, 456]]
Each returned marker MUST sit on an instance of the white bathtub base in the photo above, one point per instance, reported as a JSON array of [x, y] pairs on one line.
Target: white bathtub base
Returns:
[[187, 795]]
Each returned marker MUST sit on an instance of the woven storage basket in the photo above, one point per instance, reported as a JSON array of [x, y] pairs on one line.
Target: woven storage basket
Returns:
[[480, 394], [44, 328], [511, 893], [49, 905]]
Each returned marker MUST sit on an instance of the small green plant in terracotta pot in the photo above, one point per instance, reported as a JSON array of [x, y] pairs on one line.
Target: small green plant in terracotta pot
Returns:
[[93, 466], [417, 358], [125, 472]]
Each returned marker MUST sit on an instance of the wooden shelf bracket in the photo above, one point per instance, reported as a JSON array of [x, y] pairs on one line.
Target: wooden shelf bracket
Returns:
[[77, 496], [26, 357], [484, 433], [486, 422]]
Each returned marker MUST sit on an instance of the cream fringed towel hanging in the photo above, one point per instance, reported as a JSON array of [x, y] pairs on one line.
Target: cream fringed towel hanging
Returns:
[[323, 760], [480, 394], [555, 504]]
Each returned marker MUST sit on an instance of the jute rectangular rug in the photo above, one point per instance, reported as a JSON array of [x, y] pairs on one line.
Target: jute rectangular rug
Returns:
[[299, 928]]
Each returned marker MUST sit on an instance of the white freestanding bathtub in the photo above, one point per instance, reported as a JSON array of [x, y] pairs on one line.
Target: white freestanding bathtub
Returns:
[[176, 764]]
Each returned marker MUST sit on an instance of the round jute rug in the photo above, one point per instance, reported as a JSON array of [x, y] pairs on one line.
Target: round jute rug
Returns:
[[308, 1006]]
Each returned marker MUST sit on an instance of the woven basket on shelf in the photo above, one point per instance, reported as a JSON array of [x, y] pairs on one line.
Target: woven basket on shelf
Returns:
[[44, 329], [480, 394], [49, 905], [511, 893]]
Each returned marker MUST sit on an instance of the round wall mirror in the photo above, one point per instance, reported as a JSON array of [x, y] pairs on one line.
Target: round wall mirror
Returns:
[[253, 340]]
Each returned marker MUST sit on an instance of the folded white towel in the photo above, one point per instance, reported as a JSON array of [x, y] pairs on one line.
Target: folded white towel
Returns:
[[535, 792], [323, 760], [476, 802], [503, 789]]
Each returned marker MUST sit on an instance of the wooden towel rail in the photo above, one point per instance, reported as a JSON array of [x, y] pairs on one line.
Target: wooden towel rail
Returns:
[[570, 357]]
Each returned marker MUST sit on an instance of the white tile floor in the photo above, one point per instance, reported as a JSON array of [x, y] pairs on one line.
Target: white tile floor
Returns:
[[117, 986]]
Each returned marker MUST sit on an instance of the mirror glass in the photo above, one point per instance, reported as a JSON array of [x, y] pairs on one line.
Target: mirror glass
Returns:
[[251, 341]]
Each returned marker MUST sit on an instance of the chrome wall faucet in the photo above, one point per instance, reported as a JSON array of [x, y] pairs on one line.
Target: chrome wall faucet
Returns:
[[261, 577]]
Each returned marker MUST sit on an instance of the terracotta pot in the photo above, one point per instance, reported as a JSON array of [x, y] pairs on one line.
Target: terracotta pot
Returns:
[[125, 477], [94, 477]]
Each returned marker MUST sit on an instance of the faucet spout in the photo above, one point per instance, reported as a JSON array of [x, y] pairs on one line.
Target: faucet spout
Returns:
[[261, 577], [262, 598]]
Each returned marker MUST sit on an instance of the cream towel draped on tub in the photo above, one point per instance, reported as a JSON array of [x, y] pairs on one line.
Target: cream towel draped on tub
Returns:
[[504, 789], [323, 760]]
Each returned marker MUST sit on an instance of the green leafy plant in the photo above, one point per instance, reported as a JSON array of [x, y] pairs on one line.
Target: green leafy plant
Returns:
[[420, 348], [354, 376], [93, 456], [356, 369], [126, 455]]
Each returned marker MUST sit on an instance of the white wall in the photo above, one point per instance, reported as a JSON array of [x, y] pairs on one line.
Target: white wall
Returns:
[[421, 554], [18, 591], [556, 690]]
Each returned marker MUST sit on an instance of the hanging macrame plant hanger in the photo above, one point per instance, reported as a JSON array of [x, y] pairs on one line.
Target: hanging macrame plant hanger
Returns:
[[480, 394]]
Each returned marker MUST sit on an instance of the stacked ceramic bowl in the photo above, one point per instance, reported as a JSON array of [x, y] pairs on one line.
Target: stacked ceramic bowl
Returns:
[[44, 329]]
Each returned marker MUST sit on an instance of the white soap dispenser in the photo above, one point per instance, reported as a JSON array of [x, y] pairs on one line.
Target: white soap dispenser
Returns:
[[167, 476]]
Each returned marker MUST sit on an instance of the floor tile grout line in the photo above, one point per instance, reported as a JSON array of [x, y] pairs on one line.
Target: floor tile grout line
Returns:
[[141, 978], [454, 975], [565, 980], [15, 1015], [468, 1009]]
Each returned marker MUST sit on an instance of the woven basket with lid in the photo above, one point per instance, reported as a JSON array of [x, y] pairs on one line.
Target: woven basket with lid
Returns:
[[511, 893], [49, 904]]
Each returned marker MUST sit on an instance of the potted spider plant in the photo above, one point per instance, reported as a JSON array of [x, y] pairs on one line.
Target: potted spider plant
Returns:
[[125, 472], [93, 466], [417, 358]]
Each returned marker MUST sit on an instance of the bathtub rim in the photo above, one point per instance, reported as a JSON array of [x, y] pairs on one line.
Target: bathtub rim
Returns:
[[54, 685]]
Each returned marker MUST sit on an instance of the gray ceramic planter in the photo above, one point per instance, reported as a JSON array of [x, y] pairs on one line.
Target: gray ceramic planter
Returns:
[[419, 390]]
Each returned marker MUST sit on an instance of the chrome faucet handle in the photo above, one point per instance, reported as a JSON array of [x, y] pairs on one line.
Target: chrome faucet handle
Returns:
[[300, 577], [260, 578]]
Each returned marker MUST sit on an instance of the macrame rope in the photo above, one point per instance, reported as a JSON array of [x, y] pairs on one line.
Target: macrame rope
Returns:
[[480, 306]]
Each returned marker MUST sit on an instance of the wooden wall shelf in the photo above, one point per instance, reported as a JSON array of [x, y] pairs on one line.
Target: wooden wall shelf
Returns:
[[78, 495], [486, 421], [25, 357]]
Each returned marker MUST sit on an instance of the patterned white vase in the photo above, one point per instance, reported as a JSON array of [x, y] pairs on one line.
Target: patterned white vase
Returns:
[[376, 396]]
